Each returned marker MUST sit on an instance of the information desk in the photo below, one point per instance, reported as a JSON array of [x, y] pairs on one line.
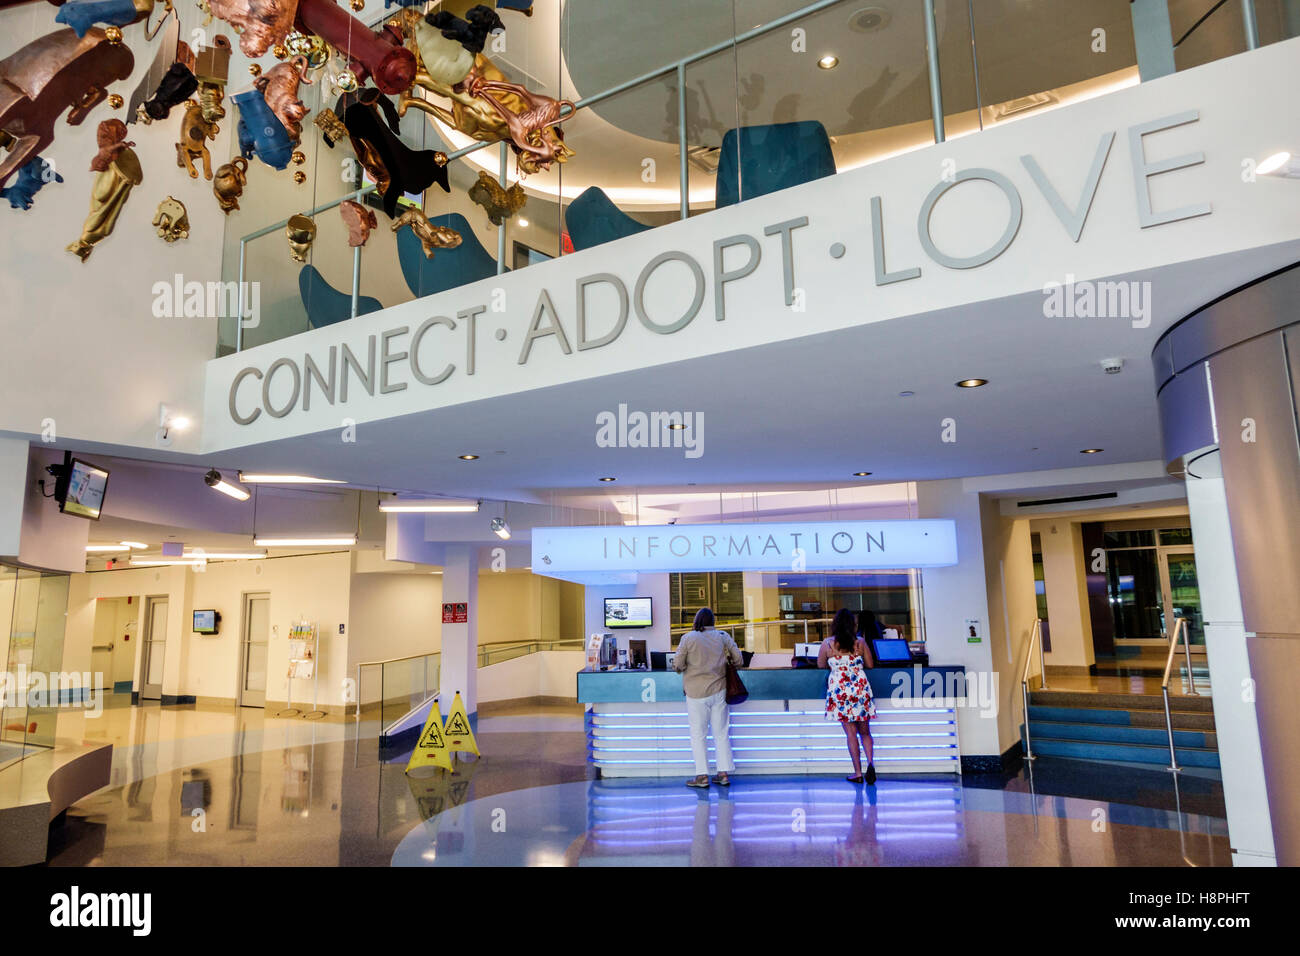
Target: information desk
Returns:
[[637, 727]]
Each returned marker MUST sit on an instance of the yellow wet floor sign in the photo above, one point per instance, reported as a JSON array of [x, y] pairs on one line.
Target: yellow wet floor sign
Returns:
[[431, 749], [458, 735]]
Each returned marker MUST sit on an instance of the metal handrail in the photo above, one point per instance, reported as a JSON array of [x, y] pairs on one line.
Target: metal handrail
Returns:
[[1036, 634], [1180, 626], [393, 660]]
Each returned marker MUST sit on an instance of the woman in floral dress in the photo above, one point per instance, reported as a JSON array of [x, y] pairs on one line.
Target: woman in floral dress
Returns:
[[848, 692]]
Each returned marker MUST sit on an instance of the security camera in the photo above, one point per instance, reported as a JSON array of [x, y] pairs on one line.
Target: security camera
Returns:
[[1112, 366]]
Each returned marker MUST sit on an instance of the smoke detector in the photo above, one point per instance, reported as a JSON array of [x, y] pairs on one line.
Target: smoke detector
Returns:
[[1112, 366], [869, 20]]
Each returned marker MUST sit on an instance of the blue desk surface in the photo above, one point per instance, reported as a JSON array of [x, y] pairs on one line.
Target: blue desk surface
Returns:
[[784, 683]]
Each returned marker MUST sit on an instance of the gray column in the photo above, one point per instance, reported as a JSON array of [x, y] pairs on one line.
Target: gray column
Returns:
[[1153, 38]]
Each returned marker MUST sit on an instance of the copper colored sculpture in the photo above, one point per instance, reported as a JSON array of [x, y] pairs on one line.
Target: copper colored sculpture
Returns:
[[331, 127], [431, 237], [499, 203], [49, 75], [171, 220], [279, 85], [228, 184], [119, 171], [196, 130], [260, 23], [359, 221]]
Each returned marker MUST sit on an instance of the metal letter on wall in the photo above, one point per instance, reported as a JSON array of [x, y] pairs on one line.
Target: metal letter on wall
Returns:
[[993, 251]]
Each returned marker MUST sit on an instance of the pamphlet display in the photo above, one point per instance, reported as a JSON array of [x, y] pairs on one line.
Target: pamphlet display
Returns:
[[302, 663]]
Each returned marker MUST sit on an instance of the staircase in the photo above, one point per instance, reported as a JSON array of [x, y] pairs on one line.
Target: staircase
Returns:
[[1125, 728]]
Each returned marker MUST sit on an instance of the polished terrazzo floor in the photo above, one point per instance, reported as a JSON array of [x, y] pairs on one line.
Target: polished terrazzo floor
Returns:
[[195, 787]]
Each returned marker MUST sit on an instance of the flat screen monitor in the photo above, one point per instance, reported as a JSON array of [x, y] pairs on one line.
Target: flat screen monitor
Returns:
[[205, 622], [84, 492], [890, 650], [628, 612]]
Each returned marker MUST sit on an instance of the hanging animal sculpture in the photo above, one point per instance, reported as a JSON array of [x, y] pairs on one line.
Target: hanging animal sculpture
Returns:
[[30, 179], [228, 184], [81, 15], [119, 172], [499, 203], [196, 130], [534, 131], [377, 55], [260, 23], [359, 221], [56, 72], [279, 86], [171, 220], [431, 237]]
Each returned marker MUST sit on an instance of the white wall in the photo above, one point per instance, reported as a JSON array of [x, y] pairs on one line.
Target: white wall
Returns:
[[1069, 621], [545, 674]]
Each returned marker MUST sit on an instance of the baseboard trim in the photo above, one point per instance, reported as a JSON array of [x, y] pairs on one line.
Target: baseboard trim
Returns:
[[1006, 762], [173, 700]]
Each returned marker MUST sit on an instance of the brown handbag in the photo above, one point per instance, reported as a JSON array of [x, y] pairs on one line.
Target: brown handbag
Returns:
[[736, 692]]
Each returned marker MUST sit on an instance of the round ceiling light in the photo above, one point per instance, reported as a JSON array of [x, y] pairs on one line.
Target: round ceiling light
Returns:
[[468, 457], [829, 62], [972, 382], [1091, 451], [609, 479], [861, 474]]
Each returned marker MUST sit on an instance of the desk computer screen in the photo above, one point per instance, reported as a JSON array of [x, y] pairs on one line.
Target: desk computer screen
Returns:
[[890, 650]]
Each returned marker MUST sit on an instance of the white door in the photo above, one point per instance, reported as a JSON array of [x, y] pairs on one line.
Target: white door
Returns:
[[153, 652], [253, 654]]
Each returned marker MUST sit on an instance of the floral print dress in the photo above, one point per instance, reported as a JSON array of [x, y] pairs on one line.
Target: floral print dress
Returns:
[[848, 692]]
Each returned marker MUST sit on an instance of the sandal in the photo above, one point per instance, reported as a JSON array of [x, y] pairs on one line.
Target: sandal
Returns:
[[700, 783]]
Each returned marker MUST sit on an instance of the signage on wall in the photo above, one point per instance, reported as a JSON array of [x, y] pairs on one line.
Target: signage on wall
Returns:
[[781, 546], [384, 361], [455, 613], [972, 631]]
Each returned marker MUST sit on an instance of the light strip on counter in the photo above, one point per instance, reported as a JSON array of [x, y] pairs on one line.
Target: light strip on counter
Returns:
[[763, 713]]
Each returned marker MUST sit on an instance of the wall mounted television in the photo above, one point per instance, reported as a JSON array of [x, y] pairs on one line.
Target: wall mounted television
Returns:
[[206, 621], [80, 488], [628, 612]]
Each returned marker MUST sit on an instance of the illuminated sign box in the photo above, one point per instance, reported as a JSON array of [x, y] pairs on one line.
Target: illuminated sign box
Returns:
[[784, 546]]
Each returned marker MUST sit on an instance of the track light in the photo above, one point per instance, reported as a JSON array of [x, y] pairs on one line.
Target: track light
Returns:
[[500, 528], [1285, 164], [214, 481]]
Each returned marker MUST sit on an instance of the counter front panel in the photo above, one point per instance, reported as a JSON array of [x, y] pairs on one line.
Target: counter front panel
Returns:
[[637, 725]]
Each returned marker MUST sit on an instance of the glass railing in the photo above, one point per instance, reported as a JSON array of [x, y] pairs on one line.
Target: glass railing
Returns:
[[757, 95], [496, 653], [33, 615], [389, 690]]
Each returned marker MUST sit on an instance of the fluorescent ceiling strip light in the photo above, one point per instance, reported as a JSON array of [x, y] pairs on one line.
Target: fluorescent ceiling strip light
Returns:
[[136, 544], [270, 479], [224, 555], [106, 548], [429, 505], [164, 562], [304, 542]]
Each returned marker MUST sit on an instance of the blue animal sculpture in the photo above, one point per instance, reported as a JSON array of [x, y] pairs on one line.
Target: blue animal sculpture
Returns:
[[31, 177], [260, 133], [81, 15]]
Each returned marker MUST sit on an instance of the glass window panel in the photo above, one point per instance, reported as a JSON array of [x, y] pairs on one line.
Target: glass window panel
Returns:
[[1175, 535], [1129, 539]]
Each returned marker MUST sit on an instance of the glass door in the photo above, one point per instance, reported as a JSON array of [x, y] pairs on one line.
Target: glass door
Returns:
[[1182, 597], [155, 647], [257, 631]]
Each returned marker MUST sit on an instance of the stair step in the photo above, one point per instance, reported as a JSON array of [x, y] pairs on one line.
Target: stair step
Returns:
[[1120, 734], [1126, 753], [1181, 720], [1074, 698]]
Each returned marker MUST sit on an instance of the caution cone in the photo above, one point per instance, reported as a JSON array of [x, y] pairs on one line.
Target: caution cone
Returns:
[[459, 736], [431, 749]]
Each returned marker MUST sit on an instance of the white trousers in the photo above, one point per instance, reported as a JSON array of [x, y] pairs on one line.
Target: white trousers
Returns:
[[703, 712]]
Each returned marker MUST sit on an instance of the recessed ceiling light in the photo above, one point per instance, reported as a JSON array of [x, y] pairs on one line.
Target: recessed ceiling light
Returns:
[[609, 479], [829, 62], [523, 223], [861, 474], [468, 457], [676, 426], [972, 382], [906, 394], [1091, 451]]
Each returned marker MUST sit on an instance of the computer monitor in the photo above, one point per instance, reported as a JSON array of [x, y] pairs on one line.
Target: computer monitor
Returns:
[[891, 650]]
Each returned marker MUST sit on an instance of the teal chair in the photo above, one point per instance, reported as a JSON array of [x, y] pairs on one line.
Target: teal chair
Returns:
[[757, 160], [449, 268], [325, 304], [592, 219]]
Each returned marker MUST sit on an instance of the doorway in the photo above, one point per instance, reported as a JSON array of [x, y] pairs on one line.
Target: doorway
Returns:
[[253, 650], [153, 652], [1181, 596], [1151, 581]]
